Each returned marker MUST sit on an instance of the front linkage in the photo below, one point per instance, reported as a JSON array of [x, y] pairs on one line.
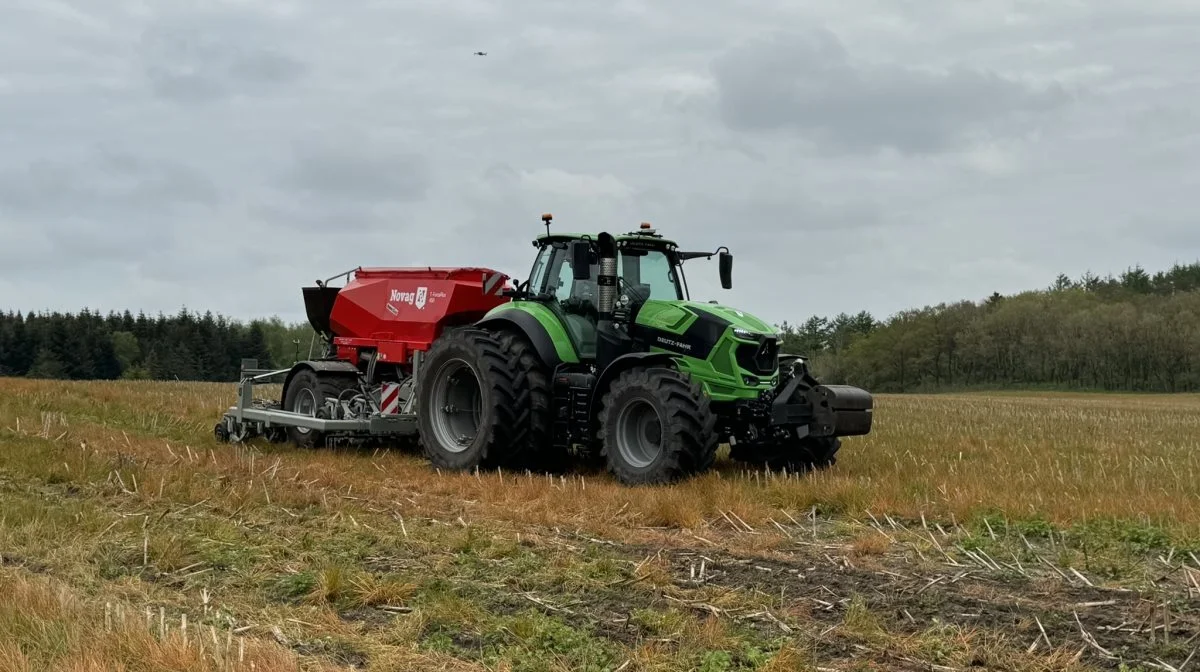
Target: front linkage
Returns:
[[797, 425]]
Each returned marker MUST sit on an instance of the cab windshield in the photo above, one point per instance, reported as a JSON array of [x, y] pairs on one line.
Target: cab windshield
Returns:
[[647, 272], [650, 270]]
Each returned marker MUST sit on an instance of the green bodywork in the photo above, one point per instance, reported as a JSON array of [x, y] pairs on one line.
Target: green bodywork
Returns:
[[554, 321], [661, 325], [677, 316], [719, 373]]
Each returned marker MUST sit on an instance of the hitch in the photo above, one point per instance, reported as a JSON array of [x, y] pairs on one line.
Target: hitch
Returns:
[[822, 410]]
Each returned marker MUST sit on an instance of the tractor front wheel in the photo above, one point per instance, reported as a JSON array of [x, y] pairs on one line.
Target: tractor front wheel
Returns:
[[656, 426], [472, 401]]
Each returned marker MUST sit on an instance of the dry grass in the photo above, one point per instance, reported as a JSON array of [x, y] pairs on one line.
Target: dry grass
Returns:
[[45, 625], [328, 559], [1058, 458]]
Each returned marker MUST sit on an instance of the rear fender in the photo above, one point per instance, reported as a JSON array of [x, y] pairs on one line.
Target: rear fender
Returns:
[[525, 323], [618, 366], [319, 366]]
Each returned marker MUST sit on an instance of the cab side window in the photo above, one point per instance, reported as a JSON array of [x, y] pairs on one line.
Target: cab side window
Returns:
[[540, 267], [565, 284]]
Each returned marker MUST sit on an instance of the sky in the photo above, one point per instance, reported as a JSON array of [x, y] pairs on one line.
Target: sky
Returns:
[[856, 155]]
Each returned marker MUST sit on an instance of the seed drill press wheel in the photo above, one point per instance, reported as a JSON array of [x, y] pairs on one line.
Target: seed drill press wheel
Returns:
[[306, 394]]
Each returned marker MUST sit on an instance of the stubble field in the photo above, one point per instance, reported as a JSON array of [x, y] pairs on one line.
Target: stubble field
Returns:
[[1001, 531]]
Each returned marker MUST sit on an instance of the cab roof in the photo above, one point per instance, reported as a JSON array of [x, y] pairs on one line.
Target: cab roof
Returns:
[[644, 235]]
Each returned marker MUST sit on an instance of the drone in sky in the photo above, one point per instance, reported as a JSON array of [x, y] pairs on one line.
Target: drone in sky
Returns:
[[481, 53]]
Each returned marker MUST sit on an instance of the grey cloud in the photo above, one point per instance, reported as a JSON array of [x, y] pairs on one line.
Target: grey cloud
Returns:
[[199, 57], [246, 148], [808, 82], [78, 247], [756, 218], [364, 171], [345, 182], [103, 183], [788, 246], [24, 248], [109, 207], [1176, 235], [284, 212], [89, 242]]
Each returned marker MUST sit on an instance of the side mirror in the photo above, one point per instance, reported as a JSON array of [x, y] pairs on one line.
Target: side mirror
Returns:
[[581, 259], [725, 262]]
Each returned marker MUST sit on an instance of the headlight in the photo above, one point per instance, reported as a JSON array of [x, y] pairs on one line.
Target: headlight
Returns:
[[738, 332]]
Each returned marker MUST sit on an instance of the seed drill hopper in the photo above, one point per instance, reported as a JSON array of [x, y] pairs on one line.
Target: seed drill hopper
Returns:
[[374, 331]]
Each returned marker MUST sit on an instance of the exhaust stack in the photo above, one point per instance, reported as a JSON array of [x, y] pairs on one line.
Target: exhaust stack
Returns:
[[611, 342], [606, 277]]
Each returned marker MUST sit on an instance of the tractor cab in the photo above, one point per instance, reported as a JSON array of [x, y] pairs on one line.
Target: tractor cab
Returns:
[[565, 275]]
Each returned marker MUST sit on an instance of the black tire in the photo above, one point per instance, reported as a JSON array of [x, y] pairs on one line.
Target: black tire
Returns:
[[534, 450], [687, 442], [309, 388], [499, 389]]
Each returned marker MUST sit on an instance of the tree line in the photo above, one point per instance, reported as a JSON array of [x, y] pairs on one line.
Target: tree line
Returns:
[[184, 346], [1132, 332]]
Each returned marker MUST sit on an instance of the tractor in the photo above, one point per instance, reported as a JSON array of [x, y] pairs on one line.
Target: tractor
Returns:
[[599, 356]]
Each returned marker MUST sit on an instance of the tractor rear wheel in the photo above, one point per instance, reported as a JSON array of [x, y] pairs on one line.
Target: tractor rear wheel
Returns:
[[656, 426], [472, 401], [533, 450], [306, 394]]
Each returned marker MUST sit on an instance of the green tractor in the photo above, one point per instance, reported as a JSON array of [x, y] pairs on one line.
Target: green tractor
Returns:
[[601, 356]]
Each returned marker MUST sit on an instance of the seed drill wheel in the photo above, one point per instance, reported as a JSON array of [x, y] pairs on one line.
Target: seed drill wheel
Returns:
[[306, 394], [656, 427], [472, 400]]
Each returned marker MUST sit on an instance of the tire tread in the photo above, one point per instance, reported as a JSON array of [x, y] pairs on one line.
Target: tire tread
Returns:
[[326, 385], [689, 437], [532, 449], [509, 393]]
